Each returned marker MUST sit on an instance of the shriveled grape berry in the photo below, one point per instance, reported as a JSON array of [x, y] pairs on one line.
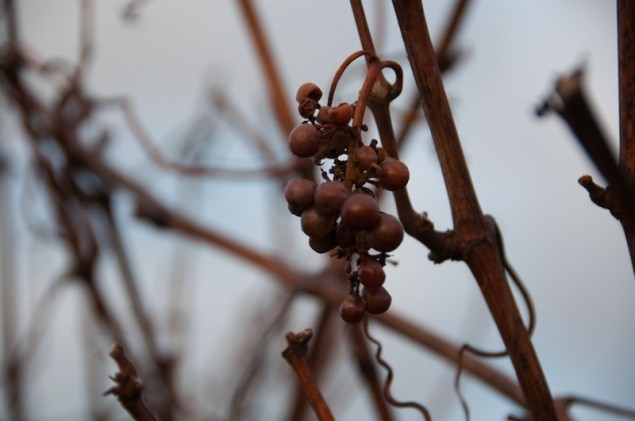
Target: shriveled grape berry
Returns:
[[341, 115], [344, 236], [315, 224], [304, 140], [308, 90], [360, 212], [366, 157], [387, 235], [299, 194], [394, 174], [306, 107], [371, 273], [377, 301], [329, 196], [323, 245], [352, 309], [323, 116]]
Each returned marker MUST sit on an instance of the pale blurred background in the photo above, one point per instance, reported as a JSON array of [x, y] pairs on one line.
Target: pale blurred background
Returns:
[[168, 61]]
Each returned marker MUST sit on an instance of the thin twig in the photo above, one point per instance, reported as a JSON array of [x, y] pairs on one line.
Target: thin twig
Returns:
[[164, 364], [141, 135], [323, 347], [570, 101], [13, 364], [446, 51], [129, 387], [295, 354], [256, 361], [273, 77], [568, 401]]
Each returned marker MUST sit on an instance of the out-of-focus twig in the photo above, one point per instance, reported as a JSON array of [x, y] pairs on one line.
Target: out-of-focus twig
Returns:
[[570, 101], [277, 94], [141, 135], [12, 364], [129, 387], [323, 346], [164, 364], [224, 106], [295, 354]]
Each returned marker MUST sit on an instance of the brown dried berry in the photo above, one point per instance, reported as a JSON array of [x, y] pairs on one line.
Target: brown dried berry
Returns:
[[315, 224], [360, 212], [352, 309], [341, 115], [329, 197], [394, 174], [387, 235], [323, 245], [324, 115], [304, 140], [308, 90], [377, 301], [371, 273], [306, 107], [299, 194], [366, 156]]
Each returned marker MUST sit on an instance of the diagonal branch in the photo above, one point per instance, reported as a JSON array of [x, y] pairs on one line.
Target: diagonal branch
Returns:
[[476, 234]]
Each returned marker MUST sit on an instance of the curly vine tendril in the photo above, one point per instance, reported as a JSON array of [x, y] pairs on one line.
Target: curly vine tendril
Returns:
[[387, 395]]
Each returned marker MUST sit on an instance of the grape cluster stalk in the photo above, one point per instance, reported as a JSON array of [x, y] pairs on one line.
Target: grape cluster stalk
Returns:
[[341, 215]]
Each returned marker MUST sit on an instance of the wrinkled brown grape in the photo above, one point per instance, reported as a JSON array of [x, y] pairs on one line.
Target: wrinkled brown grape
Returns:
[[304, 140], [360, 212], [329, 196], [341, 115], [323, 116], [299, 194], [387, 235], [315, 224], [306, 107], [344, 236], [352, 309], [323, 245], [366, 157], [394, 174], [377, 301], [308, 90]]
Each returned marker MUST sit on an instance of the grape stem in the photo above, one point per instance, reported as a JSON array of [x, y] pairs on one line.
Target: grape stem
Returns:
[[340, 71]]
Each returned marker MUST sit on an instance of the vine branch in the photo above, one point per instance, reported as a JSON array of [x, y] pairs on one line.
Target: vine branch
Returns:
[[476, 233]]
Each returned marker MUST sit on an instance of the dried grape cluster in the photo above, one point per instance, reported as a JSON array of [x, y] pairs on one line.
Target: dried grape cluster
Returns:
[[342, 214]]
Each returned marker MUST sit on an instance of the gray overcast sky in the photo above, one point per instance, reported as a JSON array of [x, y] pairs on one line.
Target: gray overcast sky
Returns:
[[571, 254]]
